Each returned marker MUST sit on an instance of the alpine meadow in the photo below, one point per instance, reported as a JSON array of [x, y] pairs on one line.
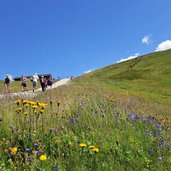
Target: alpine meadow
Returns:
[[116, 118]]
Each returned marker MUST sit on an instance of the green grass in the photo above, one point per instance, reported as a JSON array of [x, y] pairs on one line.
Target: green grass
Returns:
[[148, 77], [118, 109], [15, 86], [126, 132]]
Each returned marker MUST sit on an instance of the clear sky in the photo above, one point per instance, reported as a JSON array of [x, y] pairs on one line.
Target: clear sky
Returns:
[[71, 37]]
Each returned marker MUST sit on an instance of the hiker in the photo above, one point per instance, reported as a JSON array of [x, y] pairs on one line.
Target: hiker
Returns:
[[34, 81], [24, 83], [7, 82], [43, 83], [50, 81]]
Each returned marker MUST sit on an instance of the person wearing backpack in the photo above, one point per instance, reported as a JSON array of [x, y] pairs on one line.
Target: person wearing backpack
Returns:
[[43, 83], [7, 82], [24, 83]]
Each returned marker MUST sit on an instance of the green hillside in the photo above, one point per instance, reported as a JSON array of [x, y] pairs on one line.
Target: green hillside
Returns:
[[115, 118], [147, 76]]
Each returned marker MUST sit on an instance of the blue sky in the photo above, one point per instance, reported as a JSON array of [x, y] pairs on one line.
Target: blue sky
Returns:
[[71, 37]]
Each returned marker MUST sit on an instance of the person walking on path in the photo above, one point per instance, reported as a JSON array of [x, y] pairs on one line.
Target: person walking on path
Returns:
[[43, 83], [50, 81], [35, 79], [24, 83], [7, 82]]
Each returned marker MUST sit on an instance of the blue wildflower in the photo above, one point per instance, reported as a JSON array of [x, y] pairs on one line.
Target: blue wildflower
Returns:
[[74, 120], [30, 160], [55, 167], [12, 127], [36, 144], [27, 150]]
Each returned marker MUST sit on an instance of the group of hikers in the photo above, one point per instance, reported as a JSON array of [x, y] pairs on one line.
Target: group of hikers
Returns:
[[34, 79]]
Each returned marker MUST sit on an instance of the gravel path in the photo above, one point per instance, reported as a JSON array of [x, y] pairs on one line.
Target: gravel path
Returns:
[[30, 93]]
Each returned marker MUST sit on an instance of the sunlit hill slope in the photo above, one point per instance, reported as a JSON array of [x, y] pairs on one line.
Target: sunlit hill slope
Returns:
[[146, 76]]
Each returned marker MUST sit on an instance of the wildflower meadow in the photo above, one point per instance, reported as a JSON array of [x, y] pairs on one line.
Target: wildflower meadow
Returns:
[[77, 128]]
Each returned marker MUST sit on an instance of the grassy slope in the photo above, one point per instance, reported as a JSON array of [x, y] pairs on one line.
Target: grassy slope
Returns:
[[15, 86], [148, 76], [91, 112]]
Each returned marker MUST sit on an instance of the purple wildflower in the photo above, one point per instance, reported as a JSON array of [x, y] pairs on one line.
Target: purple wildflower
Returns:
[[151, 151], [158, 127], [74, 120], [160, 137], [36, 144], [55, 167], [12, 127], [1, 119], [30, 160], [164, 143], [160, 145], [37, 152], [27, 150], [136, 117]]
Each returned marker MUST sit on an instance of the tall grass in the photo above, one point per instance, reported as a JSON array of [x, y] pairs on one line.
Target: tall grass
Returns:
[[83, 128]]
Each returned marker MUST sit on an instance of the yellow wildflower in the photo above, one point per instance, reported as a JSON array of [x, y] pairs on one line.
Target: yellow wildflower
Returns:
[[33, 103], [18, 109], [82, 145], [35, 107], [41, 111], [43, 157], [43, 105], [25, 101], [26, 105], [95, 150], [18, 102], [91, 146], [25, 113], [14, 150]]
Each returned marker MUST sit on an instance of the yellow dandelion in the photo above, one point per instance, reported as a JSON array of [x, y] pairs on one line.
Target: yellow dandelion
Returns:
[[43, 157], [82, 145], [96, 150], [91, 146], [14, 150]]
